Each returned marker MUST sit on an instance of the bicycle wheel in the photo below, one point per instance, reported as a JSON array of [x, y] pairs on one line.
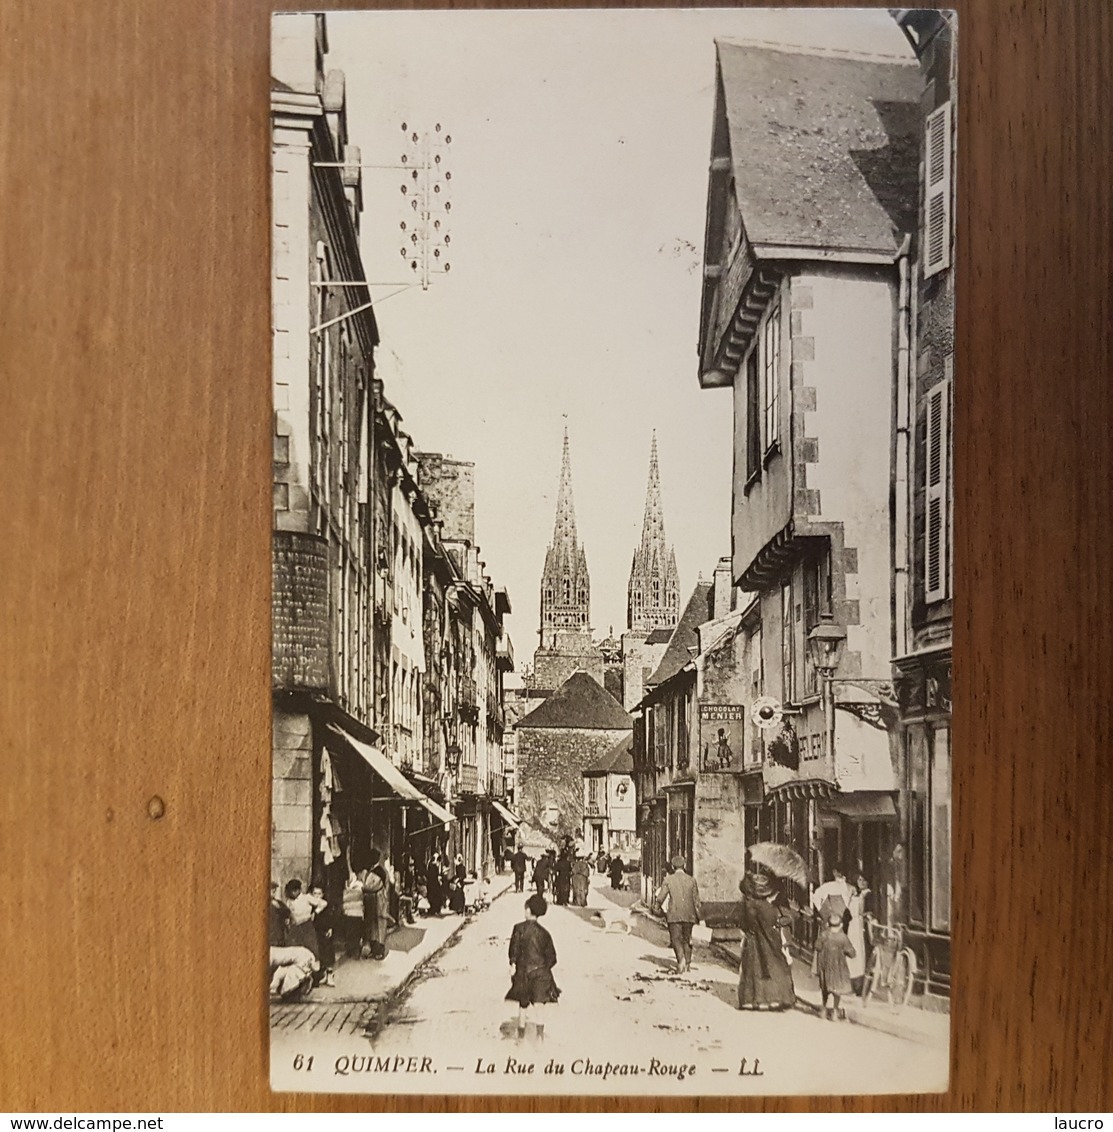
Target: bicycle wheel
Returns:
[[900, 978], [872, 978]]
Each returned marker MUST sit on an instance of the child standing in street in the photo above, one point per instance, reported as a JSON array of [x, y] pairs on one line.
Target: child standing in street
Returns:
[[532, 959], [832, 950], [326, 943]]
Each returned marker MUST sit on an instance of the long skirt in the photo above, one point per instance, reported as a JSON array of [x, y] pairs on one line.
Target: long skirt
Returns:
[[374, 926], [579, 891], [764, 977]]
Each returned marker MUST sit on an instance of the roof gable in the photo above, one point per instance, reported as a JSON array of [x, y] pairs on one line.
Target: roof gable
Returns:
[[580, 702], [619, 759], [700, 608], [824, 150]]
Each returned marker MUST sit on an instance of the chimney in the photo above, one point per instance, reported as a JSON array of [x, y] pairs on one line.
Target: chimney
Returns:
[[723, 589]]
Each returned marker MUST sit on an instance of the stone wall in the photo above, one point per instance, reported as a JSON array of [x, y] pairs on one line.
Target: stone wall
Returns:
[[551, 761], [450, 486], [292, 797], [639, 661], [300, 612], [551, 667], [720, 843]]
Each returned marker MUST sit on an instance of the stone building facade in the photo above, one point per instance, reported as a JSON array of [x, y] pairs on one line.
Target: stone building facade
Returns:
[[388, 645], [556, 742], [610, 806], [467, 611], [322, 370], [807, 240], [918, 884]]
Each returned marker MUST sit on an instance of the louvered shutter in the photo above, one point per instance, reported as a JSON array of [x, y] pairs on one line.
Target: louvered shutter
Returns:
[[937, 191], [936, 509]]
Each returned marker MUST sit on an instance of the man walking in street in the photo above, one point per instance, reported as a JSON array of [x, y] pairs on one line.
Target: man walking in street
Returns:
[[518, 863], [679, 896]]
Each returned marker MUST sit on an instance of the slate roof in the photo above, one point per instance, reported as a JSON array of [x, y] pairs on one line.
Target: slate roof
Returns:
[[824, 149], [618, 760], [581, 701], [700, 608], [659, 637]]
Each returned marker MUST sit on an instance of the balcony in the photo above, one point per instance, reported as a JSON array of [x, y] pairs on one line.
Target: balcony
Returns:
[[496, 785], [592, 809], [504, 653]]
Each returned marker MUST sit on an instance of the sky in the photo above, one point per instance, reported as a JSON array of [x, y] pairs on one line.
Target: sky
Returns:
[[579, 155]]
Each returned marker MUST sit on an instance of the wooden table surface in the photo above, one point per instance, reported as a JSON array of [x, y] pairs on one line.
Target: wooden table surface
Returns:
[[135, 561]]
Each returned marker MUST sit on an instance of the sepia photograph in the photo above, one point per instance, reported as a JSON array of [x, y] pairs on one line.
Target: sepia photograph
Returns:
[[612, 551]]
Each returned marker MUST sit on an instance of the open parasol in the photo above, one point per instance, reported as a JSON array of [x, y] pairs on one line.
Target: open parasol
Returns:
[[780, 860]]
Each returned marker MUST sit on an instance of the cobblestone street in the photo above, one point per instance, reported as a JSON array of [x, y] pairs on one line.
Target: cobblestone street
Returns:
[[624, 1020]]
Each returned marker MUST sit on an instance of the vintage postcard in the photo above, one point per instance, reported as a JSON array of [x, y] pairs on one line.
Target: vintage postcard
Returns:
[[612, 382]]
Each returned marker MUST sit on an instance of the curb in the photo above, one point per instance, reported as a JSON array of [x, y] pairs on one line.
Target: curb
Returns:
[[396, 992]]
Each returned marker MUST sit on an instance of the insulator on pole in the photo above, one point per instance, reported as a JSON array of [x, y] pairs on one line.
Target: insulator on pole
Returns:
[[426, 188]]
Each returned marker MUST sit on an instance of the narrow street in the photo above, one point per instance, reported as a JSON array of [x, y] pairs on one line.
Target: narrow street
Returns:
[[621, 1005]]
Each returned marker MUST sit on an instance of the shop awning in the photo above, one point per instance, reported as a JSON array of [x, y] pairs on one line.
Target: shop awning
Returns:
[[505, 814], [863, 805], [392, 776]]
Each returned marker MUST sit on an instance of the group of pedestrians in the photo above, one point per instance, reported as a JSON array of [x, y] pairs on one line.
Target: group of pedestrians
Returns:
[[299, 932], [565, 876], [765, 969], [765, 980], [442, 885]]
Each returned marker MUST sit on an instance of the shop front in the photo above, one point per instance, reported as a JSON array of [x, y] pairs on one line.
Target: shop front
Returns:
[[504, 832], [653, 826], [919, 876], [366, 806]]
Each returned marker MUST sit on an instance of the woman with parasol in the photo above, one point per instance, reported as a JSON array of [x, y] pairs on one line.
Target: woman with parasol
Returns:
[[764, 975]]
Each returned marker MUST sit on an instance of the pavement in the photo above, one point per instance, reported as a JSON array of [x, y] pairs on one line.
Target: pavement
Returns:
[[627, 1023], [363, 985], [910, 1022]]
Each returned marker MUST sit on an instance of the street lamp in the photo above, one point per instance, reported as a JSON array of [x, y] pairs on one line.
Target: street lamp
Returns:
[[825, 645]]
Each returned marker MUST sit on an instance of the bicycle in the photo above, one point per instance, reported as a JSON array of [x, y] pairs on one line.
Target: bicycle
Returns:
[[892, 965]]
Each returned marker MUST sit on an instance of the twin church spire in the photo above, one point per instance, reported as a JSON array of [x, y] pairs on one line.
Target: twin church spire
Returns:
[[653, 591]]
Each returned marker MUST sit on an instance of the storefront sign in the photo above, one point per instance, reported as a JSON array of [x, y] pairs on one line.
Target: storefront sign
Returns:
[[722, 736]]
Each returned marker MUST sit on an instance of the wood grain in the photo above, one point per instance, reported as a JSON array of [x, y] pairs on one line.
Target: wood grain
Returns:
[[134, 574]]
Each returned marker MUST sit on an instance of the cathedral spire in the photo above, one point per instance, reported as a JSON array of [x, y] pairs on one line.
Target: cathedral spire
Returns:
[[653, 594], [564, 528], [565, 587], [653, 524]]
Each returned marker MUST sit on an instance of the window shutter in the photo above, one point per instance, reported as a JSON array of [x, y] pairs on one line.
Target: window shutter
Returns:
[[937, 191], [936, 509]]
